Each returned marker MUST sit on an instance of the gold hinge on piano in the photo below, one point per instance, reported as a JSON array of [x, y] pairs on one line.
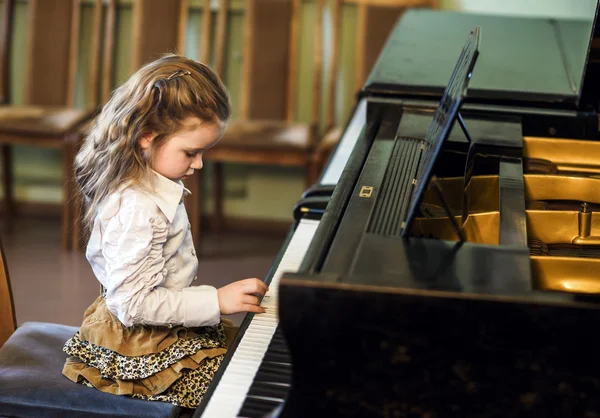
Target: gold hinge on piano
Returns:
[[366, 191]]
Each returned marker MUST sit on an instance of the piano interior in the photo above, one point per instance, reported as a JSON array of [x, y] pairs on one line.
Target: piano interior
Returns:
[[561, 180], [562, 192]]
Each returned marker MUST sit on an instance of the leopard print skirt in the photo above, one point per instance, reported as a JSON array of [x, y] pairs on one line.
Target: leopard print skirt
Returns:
[[165, 364]]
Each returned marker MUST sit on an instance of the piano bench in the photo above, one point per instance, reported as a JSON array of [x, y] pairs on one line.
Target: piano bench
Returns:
[[32, 384]]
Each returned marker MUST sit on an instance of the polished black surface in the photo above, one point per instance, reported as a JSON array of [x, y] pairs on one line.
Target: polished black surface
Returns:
[[392, 352], [540, 70], [537, 61]]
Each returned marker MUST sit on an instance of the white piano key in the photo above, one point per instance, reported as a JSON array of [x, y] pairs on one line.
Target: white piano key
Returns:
[[231, 390]]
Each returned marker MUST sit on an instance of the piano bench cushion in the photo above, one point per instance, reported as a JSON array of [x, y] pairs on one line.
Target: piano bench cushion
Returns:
[[32, 384]]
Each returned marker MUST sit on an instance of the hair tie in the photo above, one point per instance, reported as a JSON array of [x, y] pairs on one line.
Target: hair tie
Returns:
[[178, 73]]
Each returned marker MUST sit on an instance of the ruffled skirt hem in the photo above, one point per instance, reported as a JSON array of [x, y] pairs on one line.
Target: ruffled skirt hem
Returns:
[[179, 373]]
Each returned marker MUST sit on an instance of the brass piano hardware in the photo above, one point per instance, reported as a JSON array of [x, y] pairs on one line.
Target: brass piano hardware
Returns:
[[568, 155], [554, 226], [304, 210], [366, 191], [483, 228], [566, 274], [582, 189], [483, 193], [584, 219]]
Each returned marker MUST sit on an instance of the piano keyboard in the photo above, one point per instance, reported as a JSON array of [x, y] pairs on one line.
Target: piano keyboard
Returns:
[[233, 388]]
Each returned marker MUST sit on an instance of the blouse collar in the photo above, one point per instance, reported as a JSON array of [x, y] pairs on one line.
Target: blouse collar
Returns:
[[166, 193]]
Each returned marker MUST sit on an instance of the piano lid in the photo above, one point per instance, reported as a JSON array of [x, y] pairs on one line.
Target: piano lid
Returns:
[[442, 123], [528, 61]]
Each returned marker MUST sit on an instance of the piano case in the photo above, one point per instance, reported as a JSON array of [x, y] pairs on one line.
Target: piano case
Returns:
[[407, 325]]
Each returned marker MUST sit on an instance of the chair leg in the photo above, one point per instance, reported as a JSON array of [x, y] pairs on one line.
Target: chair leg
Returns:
[[218, 197], [67, 218], [7, 168]]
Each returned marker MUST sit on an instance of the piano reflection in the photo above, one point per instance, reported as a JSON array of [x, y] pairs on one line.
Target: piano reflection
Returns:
[[446, 265]]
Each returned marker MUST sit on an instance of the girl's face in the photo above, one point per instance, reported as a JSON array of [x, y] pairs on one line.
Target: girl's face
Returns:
[[181, 154]]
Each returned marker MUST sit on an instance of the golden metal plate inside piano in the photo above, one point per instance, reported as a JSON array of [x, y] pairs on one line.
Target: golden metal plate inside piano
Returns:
[[565, 243], [545, 187], [482, 228], [559, 226], [577, 232], [566, 155], [483, 223], [566, 274], [483, 194]]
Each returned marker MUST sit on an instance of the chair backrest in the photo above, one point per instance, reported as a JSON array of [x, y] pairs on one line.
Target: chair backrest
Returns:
[[270, 52], [375, 20], [205, 46], [8, 322], [47, 52], [273, 50], [155, 29], [54, 46], [271, 59]]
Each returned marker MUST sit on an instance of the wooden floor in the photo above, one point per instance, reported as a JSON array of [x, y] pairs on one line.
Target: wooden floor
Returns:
[[51, 285]]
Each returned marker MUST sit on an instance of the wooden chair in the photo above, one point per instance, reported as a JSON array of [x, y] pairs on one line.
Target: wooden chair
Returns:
[[266, 132], [31, 380], [49, 119], [376, 18]]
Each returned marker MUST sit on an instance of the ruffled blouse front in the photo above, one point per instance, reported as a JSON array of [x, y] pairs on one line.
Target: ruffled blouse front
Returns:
[[141, 251]]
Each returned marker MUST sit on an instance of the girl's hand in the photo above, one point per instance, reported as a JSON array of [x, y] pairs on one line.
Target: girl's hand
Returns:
[[242, 296]]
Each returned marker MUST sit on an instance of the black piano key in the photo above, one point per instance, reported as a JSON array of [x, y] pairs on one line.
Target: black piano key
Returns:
[[276, 377], [278, 358], [269, 390], [279, 347], [270, 366], [257, 407]]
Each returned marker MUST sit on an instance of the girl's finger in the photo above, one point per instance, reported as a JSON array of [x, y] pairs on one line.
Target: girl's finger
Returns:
[[253, 308], [250, 300], [255, 286]]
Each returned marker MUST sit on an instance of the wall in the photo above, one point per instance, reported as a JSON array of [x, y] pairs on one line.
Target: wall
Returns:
[[254, 192], [577, 9]]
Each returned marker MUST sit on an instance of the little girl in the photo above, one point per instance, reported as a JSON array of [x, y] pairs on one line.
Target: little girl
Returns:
[[151, 335]]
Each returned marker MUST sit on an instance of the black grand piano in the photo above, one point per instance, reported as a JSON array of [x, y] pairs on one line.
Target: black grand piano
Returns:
[[448, 262]]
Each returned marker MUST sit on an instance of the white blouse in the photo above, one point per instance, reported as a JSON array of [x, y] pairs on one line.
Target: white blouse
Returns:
[[142, 252]]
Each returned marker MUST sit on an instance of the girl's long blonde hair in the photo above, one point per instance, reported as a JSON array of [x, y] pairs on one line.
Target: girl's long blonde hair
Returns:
[[156, 99]]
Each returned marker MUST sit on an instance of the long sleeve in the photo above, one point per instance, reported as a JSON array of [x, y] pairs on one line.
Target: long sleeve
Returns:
[[132, 247]]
